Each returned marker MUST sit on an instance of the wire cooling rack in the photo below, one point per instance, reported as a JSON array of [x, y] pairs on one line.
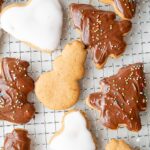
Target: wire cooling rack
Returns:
[[47, 122]]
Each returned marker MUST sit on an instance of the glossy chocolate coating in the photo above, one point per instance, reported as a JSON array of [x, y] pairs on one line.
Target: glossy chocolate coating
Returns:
[[126, 7], [17, 140], [121, 98], [100, 31], [15, 84], [1, 2]]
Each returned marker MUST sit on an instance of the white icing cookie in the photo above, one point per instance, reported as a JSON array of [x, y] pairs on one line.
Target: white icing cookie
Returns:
[[38, 23], [74, 134]]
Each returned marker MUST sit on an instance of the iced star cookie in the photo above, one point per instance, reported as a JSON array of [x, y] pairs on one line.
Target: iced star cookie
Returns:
[[15, 85], [100, 31], [17, 140], [124, 8], [121, 98], [37, 22], [59, 88], [74, 134], [117, 145]]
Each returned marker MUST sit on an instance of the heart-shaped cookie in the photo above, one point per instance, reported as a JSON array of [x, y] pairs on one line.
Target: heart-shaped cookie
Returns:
[[37, 22], [74, 134]]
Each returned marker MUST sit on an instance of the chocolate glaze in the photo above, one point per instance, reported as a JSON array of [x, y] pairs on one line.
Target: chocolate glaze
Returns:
[[1, 2], [121, 98], [15, 85], [126, 7], [100, 31], [17, 140]]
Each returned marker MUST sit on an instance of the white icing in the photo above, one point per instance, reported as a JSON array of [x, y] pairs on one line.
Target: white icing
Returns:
[[38, 23], [75, 135]]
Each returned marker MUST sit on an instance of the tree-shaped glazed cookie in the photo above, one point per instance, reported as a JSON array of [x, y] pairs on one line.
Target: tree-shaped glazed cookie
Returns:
[[15, 85], [100, 31], [17, 140], [59, 89], [124, 8], [121, 98]]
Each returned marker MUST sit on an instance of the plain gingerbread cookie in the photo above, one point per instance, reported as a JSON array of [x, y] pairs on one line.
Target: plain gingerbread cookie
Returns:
[[36, 22], [59, 89], [117, 145], [74, 134]]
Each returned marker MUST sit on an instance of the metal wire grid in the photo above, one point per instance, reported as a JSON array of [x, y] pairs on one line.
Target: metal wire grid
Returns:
[[46, 122]]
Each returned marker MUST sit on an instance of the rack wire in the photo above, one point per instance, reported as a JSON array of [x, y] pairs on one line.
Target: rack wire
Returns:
[[47, 122]]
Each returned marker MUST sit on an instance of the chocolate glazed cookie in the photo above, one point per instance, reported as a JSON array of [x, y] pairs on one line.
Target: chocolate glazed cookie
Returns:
[[17, 140], [121, 98], [124, 8], [100, 31], [15, 84]]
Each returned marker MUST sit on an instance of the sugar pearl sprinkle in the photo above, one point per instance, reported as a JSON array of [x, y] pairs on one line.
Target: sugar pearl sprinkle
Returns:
[[128, 4]]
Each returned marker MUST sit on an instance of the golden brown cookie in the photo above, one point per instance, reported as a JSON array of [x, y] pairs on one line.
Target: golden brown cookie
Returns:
[[15, 85], [74, 134], [121, 98], [17, 140], [124, 8], [117, 145], [59, 89], [101, 32]]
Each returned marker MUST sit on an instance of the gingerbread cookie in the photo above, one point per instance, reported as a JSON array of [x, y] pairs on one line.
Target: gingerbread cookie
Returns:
[[74, 134], [100, 31], [17, 140], [121, 98], [59, 89], [124, 8], [37, 22], [15, 84], [117, 145]]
